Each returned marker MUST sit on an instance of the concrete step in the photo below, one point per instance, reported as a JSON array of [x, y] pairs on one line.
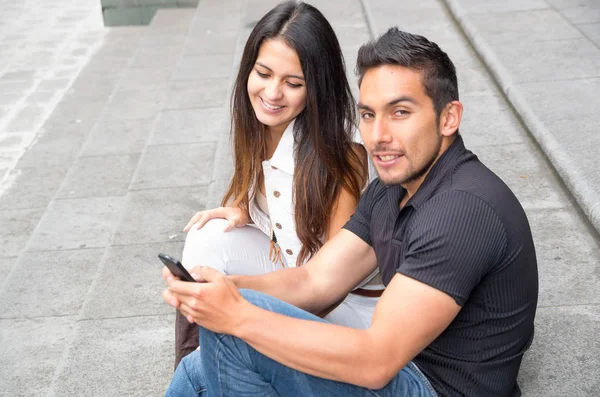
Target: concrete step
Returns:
[[43, 47], [545, 57], [141, 142], [67, 198], [35, 180]]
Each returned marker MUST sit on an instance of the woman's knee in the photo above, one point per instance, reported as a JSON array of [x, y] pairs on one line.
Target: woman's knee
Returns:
[[211, 232], [241, 250], [205, 246]]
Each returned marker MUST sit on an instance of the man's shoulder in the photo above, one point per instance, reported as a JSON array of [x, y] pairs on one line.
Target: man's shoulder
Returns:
[[468, 178], [375, 191], [475, 179], [455, 202]]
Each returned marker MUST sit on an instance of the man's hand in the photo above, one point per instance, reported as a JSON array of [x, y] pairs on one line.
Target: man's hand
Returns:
[[214, 302], [236, 217]]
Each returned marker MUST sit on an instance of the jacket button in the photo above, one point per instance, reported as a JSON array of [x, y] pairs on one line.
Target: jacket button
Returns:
[[289, 251], [278, 226], [276, 194]]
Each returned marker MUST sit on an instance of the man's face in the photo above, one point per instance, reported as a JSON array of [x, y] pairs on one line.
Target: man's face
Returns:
[[398, 125]]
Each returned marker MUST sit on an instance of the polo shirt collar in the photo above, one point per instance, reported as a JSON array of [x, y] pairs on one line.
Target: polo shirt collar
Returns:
[[442, 166], [283, 158]]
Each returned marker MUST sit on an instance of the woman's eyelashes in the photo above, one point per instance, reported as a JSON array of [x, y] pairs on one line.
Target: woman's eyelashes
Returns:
[[261, 75], [266, 76]]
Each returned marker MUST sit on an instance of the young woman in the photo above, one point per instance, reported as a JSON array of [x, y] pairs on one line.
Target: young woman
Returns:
[[298, 174]]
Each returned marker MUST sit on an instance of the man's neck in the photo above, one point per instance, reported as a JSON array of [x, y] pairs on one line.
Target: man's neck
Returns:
[[414, 185]]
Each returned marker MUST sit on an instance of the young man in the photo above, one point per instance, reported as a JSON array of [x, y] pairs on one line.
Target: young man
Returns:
[[451, 241]]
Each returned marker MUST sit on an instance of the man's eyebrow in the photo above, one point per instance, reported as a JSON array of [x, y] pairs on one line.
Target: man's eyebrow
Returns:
[[271, 70], [362, 106], [401, 99]]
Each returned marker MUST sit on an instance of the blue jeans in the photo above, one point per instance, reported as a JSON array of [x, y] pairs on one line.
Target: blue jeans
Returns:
[[228, 366]]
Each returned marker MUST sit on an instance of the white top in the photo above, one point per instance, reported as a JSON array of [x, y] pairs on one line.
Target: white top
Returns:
[[261, 201], [278, 173]]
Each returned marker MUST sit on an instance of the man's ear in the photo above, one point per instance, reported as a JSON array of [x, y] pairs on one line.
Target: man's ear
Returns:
[[450, 118]]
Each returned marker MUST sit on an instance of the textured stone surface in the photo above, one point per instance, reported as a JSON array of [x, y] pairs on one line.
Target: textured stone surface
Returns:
[[133, 78], [129, 282], [16, 229], [204, 93], [545, 25], [136, 104], [568, 258], [37, 287], [525, 172], [36, 44], [32, 187], [174, 165], [6, 265], [564, 358], [158, 215], [488, 120], [192, 68], [113, 135], [129, 356], [592, 31], [578, 11], [478, 7], [31, 350], [99, 176], [578, 121], [550, 60], [77, 223], [190, 126]]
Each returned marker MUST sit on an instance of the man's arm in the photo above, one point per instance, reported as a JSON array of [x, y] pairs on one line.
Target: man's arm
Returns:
[[338, 267], [408, 317]]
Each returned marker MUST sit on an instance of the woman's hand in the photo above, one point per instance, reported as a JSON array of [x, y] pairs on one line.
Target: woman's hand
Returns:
[[235, 216]]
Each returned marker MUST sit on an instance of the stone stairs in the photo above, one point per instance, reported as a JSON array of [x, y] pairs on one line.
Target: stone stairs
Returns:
[[140, 142]]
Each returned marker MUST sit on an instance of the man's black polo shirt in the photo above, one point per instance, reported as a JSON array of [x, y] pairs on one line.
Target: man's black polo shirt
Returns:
[[464, 233]]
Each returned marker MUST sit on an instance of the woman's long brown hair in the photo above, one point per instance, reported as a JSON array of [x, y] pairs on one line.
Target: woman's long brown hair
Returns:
[[325, 160]]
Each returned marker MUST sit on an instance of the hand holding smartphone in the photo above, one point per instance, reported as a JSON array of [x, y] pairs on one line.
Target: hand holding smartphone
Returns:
[[176, 268]]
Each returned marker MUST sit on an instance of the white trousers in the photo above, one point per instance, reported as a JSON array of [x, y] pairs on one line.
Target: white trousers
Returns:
[[246, 251]]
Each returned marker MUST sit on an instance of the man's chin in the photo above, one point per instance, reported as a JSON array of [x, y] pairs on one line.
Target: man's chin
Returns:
[[388, 179]]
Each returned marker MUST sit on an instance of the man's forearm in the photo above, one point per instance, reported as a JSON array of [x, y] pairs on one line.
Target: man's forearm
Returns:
[[321, 349], [317, 284], [291, 285]]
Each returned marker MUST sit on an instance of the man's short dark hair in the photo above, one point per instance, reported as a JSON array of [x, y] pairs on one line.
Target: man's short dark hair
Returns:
[[414, 52]]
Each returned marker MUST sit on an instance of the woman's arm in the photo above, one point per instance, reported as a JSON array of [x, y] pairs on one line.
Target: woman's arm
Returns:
[[345, 204]]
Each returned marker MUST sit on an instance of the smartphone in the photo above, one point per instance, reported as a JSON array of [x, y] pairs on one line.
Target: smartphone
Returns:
[[176, 268]]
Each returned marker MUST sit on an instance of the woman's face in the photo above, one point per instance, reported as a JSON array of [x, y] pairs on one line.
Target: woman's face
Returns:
[[276, 85]]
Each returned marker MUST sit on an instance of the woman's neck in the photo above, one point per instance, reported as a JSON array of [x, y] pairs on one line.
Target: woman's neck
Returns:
[[274, 134]]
